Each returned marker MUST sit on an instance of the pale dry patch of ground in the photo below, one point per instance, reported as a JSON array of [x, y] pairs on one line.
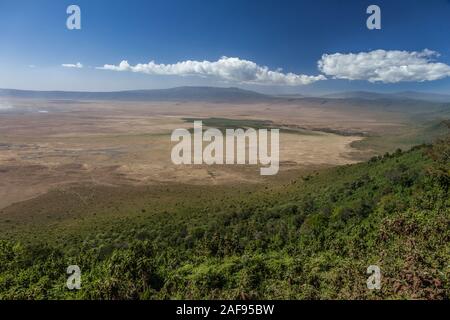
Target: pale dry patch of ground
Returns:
[[321, 149]]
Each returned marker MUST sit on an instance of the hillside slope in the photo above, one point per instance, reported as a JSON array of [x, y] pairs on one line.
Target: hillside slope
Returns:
[[310, 239]]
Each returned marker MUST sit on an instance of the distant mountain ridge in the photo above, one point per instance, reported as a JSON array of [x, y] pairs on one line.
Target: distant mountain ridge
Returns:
[[410, 95], [215, 94]]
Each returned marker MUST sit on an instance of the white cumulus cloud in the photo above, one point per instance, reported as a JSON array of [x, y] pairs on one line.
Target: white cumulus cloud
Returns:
[[384, 66], [72, 65], [226, 69]]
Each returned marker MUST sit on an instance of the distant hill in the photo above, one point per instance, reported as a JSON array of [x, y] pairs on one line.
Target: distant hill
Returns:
[[291, 96], [409, 95], [435, 97], [355, 95], [214, 94]]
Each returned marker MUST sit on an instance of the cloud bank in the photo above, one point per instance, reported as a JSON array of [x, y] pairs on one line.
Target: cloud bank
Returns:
[[71, 65], [384, 66], [225, 69]]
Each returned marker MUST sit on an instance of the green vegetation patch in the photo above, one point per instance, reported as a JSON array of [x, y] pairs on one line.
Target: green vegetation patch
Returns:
[[223, 123]]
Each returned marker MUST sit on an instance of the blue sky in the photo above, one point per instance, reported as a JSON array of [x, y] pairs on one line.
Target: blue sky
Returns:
[[291, 35]]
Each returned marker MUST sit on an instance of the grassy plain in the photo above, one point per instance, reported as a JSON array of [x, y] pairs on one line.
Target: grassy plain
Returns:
[[114, 144]]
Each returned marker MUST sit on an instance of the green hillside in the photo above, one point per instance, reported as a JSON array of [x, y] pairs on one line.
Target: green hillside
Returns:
[[312, 238]]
